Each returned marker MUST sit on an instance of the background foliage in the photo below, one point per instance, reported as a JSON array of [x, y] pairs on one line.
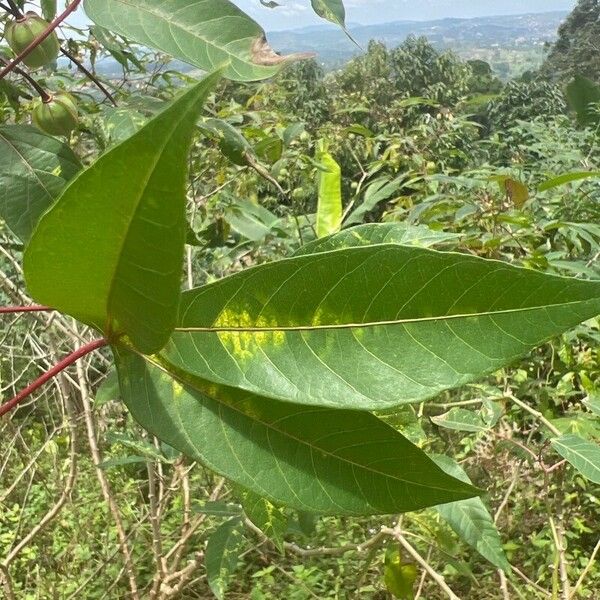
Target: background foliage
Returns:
[[447, 156]]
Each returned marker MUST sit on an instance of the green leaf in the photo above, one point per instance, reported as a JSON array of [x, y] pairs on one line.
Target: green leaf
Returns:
[[251, 220], [206, 33], [269, 518], [218, 508], [315, 459], [222, 556], [110, 251], [567, 178], [471, 520], [48, 9], [371, 327], [583, 455], [593, 403], [121, 123], [34, 169], [379, 233], [581, 94], [461, 419], [332, 10], [329, 210], [379, 191], [232, 143], [399, 578], [109, 389]]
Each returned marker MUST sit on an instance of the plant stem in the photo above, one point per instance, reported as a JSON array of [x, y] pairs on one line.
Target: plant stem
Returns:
[[48, 375], [10, 10], [586, 570], [536, 413], [72, 7], [11, 310], [89, 75], [439, 579], [30, 80], [14, 8]]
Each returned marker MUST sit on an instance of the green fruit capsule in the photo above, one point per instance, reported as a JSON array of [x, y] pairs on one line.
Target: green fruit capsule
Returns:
[[20, 33], [57, 115]]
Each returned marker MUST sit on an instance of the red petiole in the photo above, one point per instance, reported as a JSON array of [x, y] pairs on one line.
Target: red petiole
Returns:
[[53, 372]]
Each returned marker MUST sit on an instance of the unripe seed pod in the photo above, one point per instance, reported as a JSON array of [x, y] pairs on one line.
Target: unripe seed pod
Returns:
[[20, 33], [56, 115]]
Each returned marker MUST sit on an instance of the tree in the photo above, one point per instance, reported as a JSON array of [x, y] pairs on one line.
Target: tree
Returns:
[[577, 50]]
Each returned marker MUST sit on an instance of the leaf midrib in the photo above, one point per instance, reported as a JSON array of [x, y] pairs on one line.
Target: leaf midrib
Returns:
[[181, 27], [143, 188], [189, 381], [372, 324]]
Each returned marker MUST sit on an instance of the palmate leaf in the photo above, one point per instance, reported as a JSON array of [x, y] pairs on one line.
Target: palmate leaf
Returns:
[[34, 169], [206, 33], [110, 251], [315, 459], [371, 327]]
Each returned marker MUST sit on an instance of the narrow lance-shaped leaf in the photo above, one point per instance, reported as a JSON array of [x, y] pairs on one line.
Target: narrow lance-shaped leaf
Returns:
[[206, 33], [34, 169], [110, 251], [315, 459], [371, 327], [567, 178], [222, 556], [329, 210], [471, 520], [583, 455]]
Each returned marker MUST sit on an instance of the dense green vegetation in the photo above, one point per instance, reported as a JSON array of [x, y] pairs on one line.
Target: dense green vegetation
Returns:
[[374, 268]]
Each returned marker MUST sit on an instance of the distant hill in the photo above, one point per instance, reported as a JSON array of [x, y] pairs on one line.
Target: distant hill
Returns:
[[498, 39]]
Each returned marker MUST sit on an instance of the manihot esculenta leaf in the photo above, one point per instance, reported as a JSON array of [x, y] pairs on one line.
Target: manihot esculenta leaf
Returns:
[[316, 459], [206, 33], [371, 327], [34, 169], [110, 251]]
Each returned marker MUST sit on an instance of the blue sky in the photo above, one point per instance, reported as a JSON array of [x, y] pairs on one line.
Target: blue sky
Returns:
[[297, 13]]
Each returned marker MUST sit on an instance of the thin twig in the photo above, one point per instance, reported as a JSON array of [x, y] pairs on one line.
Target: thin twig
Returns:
[[11, 310], [89, 75], [68, 486], [104, 484], [51, 373], [439, 579], [561, 550], [72, 7], [536, 413], [586, 570]]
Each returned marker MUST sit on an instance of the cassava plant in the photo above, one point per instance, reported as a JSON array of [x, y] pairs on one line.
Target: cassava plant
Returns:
[[281, 377]]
